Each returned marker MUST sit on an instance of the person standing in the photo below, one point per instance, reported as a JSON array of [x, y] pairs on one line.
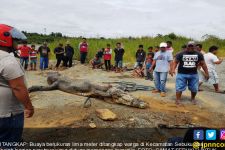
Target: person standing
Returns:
[[148, 63], [59, 54], [33, 58], [44, 56], [107, 57], [140, 56], [188, 62], [15, 102], [163, 62], [119, 52], [169, 46], [198, 47], [24, 54], [83, 47], [69, 52], [211, 61]]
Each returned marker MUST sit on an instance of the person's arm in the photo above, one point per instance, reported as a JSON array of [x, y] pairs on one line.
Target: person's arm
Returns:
[[152, 66], [218, 61], [171, 68], [204, 67], [20, 91]]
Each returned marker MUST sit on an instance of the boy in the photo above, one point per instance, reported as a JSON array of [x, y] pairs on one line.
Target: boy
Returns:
[[163, 64], [119, 52], [107, 57], [140, 56], [33, 58], [83, 47], [148, 64], [24, 54]]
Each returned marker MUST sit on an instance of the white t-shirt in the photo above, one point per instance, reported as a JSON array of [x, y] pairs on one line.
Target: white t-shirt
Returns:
[[10, 69], [210, 60]]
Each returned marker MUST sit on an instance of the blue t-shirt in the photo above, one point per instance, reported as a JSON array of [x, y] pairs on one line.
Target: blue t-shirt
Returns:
[[162, 61]]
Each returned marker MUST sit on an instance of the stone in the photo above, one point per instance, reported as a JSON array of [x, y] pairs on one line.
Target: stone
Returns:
[[106, 114], [92, 125]]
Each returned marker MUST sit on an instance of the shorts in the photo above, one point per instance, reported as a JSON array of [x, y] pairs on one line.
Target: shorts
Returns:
[[119, 64], [201, 76], [98, 62], [213, 77], [184, 80], [33, 61]]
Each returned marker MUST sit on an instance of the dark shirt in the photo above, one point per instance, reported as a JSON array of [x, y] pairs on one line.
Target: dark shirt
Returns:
[[69, 51], [44, 51], [188, 62], [119, 52], [59, 51], [151, 53], [140, 55], [100, 54]]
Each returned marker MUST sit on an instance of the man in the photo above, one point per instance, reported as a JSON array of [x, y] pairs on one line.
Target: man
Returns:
[[59, 54], [200, 71], [14, 97], [199, 48], [188, 62], [140, 56], [83, 47], [69, 52], [24, 54], [169, 46], [211, 60], [44, 56], [119, 52], [162, 62]]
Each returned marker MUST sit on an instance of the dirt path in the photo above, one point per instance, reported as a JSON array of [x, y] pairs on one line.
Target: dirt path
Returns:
[[58, 109]]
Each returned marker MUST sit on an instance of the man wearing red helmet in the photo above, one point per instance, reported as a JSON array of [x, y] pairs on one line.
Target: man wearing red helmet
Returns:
[[14, 97]]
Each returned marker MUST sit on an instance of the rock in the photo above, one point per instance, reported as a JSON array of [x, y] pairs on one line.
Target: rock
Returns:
[[106, 114], [92, 125]]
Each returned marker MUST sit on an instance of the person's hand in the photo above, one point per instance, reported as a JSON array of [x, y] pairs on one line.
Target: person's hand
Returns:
[[150, 70], [171, 72], [29, 112]]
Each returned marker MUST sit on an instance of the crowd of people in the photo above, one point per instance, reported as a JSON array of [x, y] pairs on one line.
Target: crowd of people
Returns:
[[193, 65]]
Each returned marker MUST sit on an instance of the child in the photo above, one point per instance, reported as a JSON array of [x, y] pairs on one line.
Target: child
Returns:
[[138, 72], [33, 58], [148, 64], [96, 62], [107, 57]]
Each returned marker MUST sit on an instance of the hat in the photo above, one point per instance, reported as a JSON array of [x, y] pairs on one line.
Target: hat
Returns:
[[67, 42], [163, 44], [191, 43]]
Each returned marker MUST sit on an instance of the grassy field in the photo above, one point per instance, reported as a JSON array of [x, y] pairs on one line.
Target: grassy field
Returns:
[[131, 44]]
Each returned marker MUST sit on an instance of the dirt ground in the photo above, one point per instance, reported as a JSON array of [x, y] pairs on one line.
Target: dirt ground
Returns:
[[58, 109]]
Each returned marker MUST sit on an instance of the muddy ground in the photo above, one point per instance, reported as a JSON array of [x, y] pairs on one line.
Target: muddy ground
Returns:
[[55, 109]]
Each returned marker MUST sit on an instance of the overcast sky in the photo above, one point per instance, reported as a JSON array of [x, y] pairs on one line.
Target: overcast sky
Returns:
[[115, 18]]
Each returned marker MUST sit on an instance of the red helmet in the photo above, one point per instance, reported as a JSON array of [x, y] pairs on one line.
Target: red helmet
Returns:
[[8, 34]]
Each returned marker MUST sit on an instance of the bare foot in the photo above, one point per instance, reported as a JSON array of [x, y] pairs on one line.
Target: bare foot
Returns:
[[194, 102], [178, 103]]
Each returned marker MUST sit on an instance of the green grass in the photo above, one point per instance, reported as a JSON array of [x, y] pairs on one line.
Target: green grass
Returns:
[[131, 45]]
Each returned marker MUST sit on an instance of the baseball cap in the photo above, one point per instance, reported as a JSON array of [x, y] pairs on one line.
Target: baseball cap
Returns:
[[191, 43], [163, 44]]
